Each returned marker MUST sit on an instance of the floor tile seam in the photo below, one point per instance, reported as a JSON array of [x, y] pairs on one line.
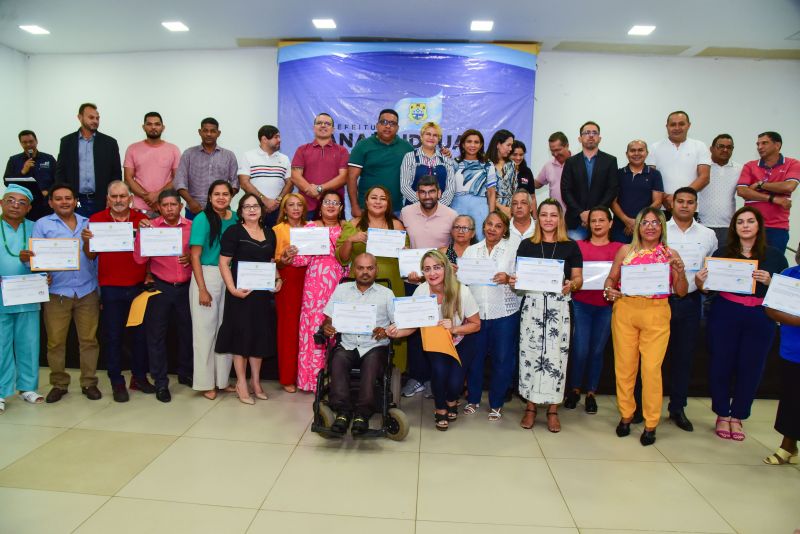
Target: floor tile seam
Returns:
[[172, 501], [277, 477], [148, 464], [34, 449], [555, 481], [702, 495], [537, 525], [91, 515]]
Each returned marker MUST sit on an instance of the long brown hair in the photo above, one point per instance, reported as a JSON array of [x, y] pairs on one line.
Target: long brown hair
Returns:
[[561, 230], [451, 298], [734, 247], [363, 223], [462, 152]]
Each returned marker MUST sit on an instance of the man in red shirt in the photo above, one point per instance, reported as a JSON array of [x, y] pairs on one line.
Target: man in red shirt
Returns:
[[120, 280], [171, 275], [767, 184]]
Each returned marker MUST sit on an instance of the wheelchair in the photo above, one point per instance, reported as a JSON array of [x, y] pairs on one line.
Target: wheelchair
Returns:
[[394, 422]]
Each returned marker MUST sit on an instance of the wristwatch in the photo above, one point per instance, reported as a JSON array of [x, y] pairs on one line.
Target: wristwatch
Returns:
[[319, 189]]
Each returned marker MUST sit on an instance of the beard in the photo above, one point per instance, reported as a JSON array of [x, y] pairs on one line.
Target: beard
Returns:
[[154, 135]]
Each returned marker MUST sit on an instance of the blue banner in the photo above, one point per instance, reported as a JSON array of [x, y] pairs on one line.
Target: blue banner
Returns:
[[459, 86]]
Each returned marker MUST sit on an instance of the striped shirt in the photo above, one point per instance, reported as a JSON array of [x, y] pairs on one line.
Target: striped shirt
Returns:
[[267, 173]]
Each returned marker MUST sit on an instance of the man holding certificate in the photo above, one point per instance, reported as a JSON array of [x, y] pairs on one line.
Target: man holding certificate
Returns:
[[73, 296], [171, 276], [369, 351], [19, 344]]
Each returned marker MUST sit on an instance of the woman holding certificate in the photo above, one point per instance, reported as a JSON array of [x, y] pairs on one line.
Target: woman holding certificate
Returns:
[[545, 322], [207, 290], [353, 241], [248, 320], [640, 319], [499, 314], [288, 302], [740, 333], [322, 277]]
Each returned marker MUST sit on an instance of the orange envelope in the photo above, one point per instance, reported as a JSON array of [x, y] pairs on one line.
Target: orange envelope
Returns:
[[437, 339], [138, 307]]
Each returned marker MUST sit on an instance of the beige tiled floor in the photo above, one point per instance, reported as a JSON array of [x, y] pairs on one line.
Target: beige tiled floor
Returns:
[[199, 466]]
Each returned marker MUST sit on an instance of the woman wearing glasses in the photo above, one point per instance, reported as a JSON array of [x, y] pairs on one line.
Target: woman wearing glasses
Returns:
[[462, 236], [475, 179], [640, 324], [427, 160], [322, 277]]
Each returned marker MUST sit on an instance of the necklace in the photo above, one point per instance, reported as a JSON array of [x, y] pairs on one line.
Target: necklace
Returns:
[[126, 219], [5, 241], [541, 244]]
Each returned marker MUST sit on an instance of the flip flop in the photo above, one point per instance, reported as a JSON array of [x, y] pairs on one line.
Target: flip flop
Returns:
[[31, 397]]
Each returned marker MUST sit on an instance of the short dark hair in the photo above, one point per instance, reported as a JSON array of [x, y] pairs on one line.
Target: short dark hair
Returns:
[[774, 136], [62, 185], [389, 111], [721, 136], [679, 112], [558, 136], [166, 193], [25, 132], [587, 123], [428, 180], [209, 120], [333, 123], [153, 114], [86, 105], [269, 131], [688, 190]]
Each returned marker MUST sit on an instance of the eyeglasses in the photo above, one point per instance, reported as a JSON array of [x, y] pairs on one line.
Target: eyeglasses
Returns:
[[251, 207], [590, 132], [384, 122], [331, 203], [462, 229], [323, 123], [723, 147], [431, 193], [651, 224], [14, 202]]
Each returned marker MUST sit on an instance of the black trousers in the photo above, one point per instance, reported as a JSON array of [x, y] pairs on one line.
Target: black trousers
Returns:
[[372, 365], [683, 329], [172, 302]]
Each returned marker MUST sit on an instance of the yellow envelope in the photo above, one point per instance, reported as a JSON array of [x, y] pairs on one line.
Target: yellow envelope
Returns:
[[437, 339], [138, 307]]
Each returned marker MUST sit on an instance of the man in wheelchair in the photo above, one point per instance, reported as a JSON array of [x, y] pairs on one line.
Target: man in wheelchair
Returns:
[[367, 351]]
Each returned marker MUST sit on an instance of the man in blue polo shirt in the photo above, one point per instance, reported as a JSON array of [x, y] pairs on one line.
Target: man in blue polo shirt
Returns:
[[639, 186], [35, 165]]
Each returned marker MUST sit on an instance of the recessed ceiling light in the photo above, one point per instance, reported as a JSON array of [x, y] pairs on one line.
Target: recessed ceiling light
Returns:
[[641, 30], [482, 25], [324, 24], [35, 30], [175, 26]]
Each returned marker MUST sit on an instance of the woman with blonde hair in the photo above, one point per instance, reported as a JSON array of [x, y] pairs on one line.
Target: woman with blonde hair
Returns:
[[427, 160]]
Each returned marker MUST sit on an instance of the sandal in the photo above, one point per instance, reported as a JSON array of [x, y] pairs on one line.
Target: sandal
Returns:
[[737, 431], [553, 426], [723, 427], [31, 397], [781, 457], [533, 418], [470, 409], [495, 414], [441, 421], [452, 412], [2, 406], [211, 394]]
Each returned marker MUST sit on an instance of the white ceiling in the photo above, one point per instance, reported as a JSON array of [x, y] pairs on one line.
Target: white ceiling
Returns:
[[98, 26]]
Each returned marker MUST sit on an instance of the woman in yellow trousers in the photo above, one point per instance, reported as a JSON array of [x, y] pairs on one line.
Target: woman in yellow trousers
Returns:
[[640, 322]]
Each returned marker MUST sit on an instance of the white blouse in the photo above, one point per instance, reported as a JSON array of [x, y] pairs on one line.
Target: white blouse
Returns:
[[496, 302]]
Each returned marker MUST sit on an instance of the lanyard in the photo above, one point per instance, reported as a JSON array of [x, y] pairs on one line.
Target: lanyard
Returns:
[[5, 241]]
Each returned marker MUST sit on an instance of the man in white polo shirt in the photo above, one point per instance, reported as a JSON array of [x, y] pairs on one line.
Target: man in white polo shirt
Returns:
[[682, 161], [266, 172], [717, 201]]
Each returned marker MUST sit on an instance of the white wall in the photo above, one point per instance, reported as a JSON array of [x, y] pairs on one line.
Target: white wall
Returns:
[[13, 95]]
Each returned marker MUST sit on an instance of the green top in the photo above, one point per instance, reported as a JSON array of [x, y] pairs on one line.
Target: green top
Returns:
[[200, 234], [11, 243], [380, 165]]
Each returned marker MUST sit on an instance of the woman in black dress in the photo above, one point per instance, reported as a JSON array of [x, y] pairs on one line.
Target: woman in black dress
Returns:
[[248, 322]]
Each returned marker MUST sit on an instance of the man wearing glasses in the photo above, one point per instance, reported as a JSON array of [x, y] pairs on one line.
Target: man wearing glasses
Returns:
[[718, 199], [320, 166], [376, 160]]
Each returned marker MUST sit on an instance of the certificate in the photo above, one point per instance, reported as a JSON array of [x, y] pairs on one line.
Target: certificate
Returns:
[[595, 274], [645, 279], [160, 242], [415, 312], [385, 243], [255, 275], [312, 241], [783, 294], [692, 254], [350, 318], [55, 254], [409, 259], [540, 274], [731, 275], [111, 237], [25, 289], [476, 271]]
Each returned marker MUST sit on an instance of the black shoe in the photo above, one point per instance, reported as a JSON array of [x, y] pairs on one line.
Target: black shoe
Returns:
[[120, 392], [341, 423], [163, 394], [638, 418], [591, 404], [648, 437], [623, 429], [571, 399], [55, 395], [360, 425], [92, 393], [140, 383], [681, 421], [185, 380]]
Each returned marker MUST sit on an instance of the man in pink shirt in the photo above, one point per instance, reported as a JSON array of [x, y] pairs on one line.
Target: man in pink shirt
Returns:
[[428, 222], [150, 165], [767, 184], [170, 275], [550, 173]]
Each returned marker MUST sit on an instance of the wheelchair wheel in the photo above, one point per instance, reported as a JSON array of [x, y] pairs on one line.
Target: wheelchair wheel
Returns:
[[397, 425], [326, 415]]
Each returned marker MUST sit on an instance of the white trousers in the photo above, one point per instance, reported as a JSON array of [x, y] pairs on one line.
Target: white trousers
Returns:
[[210, 368]]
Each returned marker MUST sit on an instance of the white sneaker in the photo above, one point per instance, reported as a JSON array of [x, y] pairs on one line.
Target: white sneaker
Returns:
[[411, 388]]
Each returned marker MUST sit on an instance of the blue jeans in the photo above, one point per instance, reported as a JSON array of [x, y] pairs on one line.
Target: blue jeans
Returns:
[[116, 301], [474, 206], [447, 377], [592, 328], [497, 339], [778, 238], [578, 234]]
